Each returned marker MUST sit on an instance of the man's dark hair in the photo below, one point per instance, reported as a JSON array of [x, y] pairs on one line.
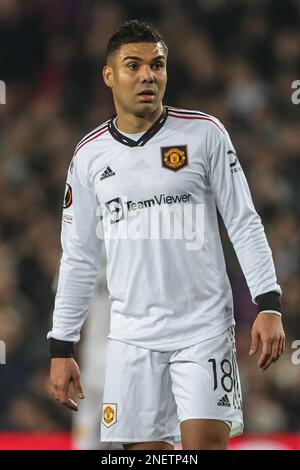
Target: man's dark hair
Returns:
[[133, 31]]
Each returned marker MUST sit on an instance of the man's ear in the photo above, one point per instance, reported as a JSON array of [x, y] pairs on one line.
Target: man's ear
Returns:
[[108, 75]]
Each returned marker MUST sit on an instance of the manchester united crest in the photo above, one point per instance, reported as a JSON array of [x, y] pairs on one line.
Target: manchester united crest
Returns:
[[174, 158], [109, 414]]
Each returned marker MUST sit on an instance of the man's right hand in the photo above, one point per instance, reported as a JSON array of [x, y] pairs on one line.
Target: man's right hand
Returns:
[[65, 371]]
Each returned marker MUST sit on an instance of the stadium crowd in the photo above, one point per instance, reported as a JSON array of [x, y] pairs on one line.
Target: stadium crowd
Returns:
[[234, 59]]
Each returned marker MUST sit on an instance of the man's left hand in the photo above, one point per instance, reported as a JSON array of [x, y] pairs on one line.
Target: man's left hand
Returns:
[[268, 329]]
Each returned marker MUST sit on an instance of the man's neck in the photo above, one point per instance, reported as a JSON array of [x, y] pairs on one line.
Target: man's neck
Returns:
[[132, 124]]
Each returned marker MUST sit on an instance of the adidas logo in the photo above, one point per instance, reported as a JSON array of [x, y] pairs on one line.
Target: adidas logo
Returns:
[[107, 173], [224, 401]]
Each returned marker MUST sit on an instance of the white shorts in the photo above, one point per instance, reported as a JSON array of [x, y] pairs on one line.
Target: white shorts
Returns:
[[147, 394]]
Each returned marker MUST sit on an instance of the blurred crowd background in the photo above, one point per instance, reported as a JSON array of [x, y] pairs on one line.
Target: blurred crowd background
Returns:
[[233, 59]]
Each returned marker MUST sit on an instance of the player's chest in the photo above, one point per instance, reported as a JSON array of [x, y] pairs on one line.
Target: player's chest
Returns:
[[171, 168]]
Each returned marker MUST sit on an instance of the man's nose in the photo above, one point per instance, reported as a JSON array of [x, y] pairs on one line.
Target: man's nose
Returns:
[[147, 74]]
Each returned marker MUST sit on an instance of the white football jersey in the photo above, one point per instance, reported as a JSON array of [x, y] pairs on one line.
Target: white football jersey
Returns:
[[153, 203]]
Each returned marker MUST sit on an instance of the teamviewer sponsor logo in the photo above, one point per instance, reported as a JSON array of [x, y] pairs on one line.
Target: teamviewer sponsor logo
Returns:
[[115, 210], [161, 217], [158, 200]]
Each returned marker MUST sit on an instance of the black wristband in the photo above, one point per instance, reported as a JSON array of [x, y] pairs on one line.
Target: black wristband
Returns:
[[60, 348], [268, 301]]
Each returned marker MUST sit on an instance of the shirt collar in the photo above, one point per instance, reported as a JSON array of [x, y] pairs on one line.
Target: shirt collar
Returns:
[[156, 126]]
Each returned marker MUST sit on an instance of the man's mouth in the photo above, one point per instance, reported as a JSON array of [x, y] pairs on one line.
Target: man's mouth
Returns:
[[147, 92], [147, 95]]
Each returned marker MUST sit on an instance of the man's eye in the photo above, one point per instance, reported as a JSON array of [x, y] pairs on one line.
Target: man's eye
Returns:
[[158, 65], [132, 66]]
